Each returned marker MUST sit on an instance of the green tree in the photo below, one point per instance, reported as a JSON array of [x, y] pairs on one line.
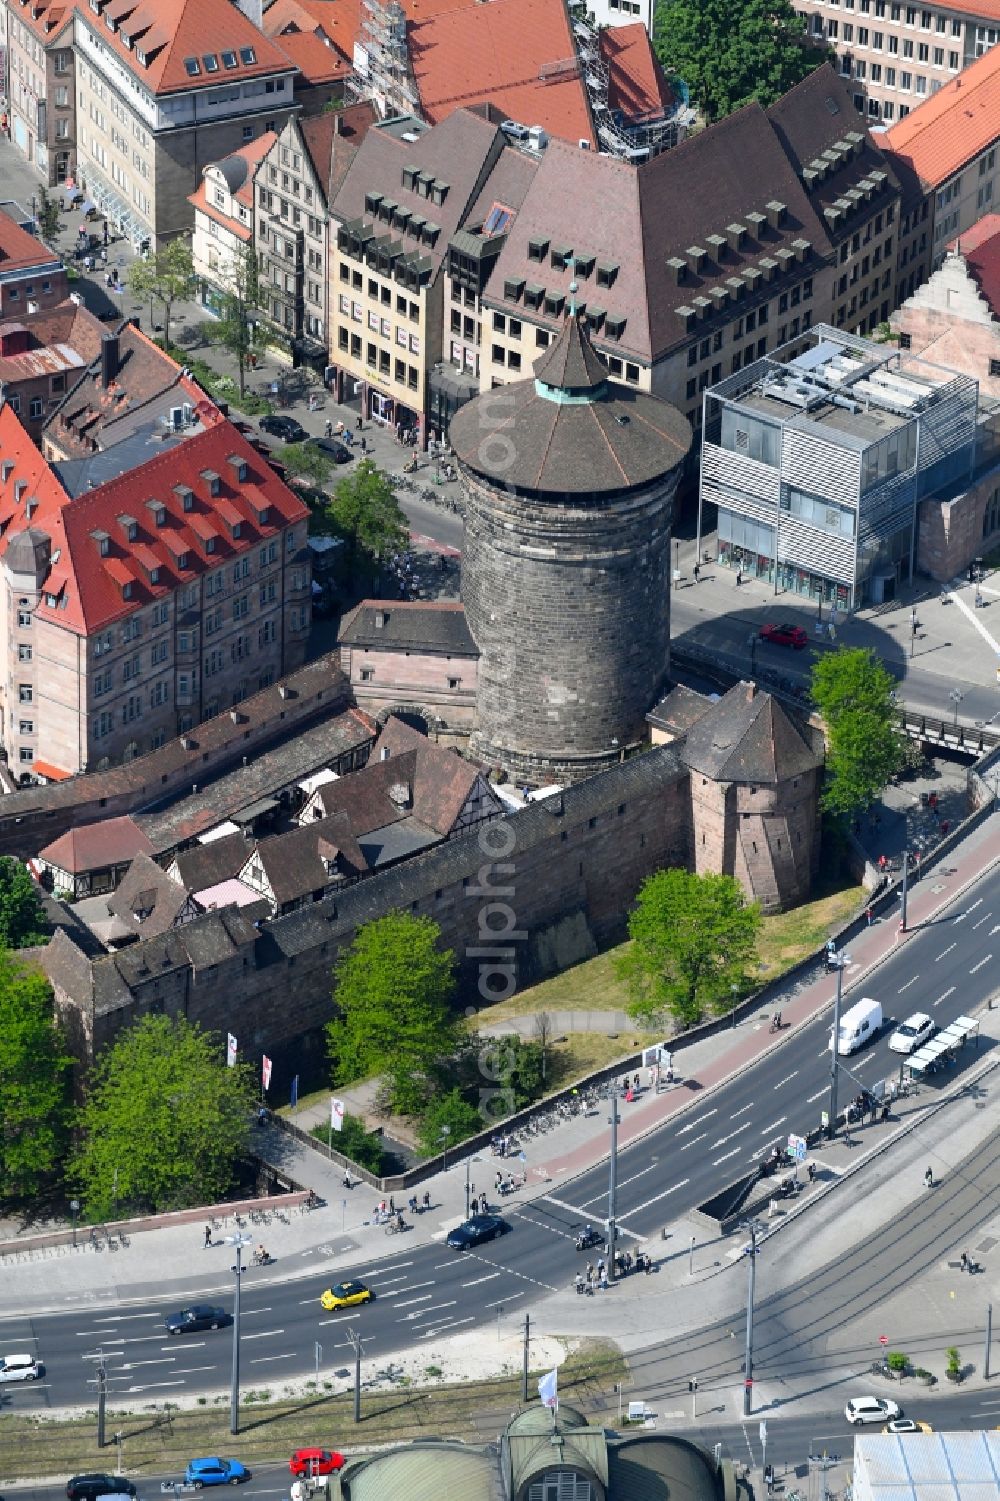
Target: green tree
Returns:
[[516, 1066], [353, 1141], [393, 989], [22, 919], [47, 216], [165, 1122], [166, 276], [729, 52], [34, 1082], [451, 1110], [305, 463], [693, 939], [854, 693], [235, 327], [364, 510]]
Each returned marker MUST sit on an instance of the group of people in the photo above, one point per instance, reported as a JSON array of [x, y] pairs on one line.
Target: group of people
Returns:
[[865, 1103], [596, 1276]]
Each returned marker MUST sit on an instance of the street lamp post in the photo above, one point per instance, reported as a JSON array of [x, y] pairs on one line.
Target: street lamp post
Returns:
[[239, 1241], [613, 1184], [734, 991], [906, 864], [468, 1181], [956, 695], [444, 1133], [750, 1252], [74, 1209], [841, 960]]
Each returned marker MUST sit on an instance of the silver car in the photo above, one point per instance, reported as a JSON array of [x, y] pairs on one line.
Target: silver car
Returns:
[[912, 1033]]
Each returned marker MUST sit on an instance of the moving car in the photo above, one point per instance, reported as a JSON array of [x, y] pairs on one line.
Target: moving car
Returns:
[[871, 1410], [315, 1462], [912, 1033], [215, 1472], [859, 1025], [286, 428], [335, 451], [907, 1425], [784, 634], [198, 1316], [476, 1231], [346, 1295], [88, 1487], [20, 1368]]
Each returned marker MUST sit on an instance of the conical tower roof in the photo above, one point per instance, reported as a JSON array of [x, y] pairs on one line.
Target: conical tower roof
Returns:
[[570, 429]]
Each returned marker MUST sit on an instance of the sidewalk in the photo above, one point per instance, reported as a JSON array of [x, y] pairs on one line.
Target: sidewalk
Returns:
[[342, 1230]]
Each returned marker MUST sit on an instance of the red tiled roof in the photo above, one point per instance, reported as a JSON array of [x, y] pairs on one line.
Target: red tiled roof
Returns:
[[20, 251], [233, 226], [519, 54], [168, 32], [87, 587], [317, 60], [980, 249], [636, 82], [339, 20], [46, 21], [952, 126], [54, 773], [95, 845]]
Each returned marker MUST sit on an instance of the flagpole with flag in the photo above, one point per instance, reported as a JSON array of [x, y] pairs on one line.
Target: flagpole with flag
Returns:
[[231, 1050], [294, 1092], [265, 1075], [548, 1391]]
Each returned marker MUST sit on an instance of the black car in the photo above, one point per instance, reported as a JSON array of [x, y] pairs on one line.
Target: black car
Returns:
[[198, 1316], [335, 451], [88, 1487], [475, 1232], [285, 428]]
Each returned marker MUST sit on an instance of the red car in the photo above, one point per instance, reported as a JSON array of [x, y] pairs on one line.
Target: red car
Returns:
[[315, 1462], [784, 635]]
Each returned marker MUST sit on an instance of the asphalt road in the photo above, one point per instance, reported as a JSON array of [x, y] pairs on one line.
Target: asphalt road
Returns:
[[944, 968]]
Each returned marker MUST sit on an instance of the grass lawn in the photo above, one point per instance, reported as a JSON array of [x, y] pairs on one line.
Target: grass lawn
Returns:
[[474, 1411], [593, 985]]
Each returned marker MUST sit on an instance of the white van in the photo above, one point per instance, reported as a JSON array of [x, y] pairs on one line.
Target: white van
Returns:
[[858, 1026]]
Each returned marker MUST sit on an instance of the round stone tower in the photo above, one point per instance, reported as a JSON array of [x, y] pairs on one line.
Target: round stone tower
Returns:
[[569, 482]]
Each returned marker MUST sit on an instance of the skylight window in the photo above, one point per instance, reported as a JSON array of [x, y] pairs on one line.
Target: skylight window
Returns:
[[229, 58], [248, 56], [211, 62], [192, 67], [497, 220]]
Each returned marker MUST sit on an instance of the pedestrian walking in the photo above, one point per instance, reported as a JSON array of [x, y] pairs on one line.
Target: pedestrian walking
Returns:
[[328, 428], [392, 1205], [869, 915], [697, 572], [208, 1235], [739, 577], [604, 1279], [945, 826], [498, 1180], [635, 1082], [363, 443], [358, 424]]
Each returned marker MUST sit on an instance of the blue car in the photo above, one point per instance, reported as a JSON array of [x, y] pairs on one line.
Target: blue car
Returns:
[[216, 1472]]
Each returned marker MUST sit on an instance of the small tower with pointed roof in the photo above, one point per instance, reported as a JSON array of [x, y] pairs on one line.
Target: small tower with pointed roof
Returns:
[[570, 481]]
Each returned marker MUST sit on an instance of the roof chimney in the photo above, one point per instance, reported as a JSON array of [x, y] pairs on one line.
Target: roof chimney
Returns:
[[109, 359]]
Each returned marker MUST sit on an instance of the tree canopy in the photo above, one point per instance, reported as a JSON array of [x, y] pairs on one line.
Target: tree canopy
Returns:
[[233, 328], [306, 463], [165, 1122], [365, 511], [693, 938], [854, 693], [393, 989], [34, 1082], [166, 276], [22, 919], [451, 1110], [731, 51]]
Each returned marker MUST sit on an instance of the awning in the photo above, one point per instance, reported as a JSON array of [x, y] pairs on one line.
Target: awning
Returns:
[[50, 772]]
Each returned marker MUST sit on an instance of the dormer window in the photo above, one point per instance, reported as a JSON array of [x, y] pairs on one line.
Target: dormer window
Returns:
[[192, 67], [141, 57], [154, 575], [158, 511], [182, 560], [211, 62], [248, 56], [607, 271], [185, 495], [537, 248], [110, 22], [209, 544], [19, 488], [262, 511], [103, 543], [129, 526], [228, 58], [6, 470], [239, 467], [211, 481]]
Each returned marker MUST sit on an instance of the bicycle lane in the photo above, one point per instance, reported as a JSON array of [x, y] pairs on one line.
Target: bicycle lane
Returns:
[[938, 888]]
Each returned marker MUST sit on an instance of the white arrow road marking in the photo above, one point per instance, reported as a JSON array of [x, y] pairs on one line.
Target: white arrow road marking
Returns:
[[723, 1139], [413, 1287], [448, 1324], [424, 1299], [699, 1122], [725, 1156], [133, 1365]]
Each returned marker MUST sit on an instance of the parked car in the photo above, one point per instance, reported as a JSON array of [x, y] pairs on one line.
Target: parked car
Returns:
[[216, 1472], [346, 1295], [198, 1316], [907, 1425], [336, 452], [315, 1462], [912, 1033], [476, 1231], [871, 1410], [784, 634], [20, 1368], [89, 1487], [285, 428]]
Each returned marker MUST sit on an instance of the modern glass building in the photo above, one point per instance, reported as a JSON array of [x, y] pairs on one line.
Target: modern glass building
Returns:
[[816, 459]]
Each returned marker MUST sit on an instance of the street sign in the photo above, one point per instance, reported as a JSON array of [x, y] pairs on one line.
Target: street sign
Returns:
[[797, 1147], [824, 1118], [883, 1339], [763, 1431]]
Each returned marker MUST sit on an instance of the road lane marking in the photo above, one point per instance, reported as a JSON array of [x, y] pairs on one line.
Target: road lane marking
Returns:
[[725, 1157], [624, 1184], [977, 967], [699, 1122], [379, 1270], [429, 1313], [979, 924], [153, 1386], [948, 992], [945, 951], [413, 1287], [787, 1080], [580, 1212], [977, 903], [737, 1113], [264, 1334], [343, 1318], [133, 1365], [190, 1370], [723, 1139], [818, 1095], [424, 1298], [693, 1141], [907, 985], [655, 1200], [501, 1301], [448, 1324], [476, 1280], [261, 1359], [779, 1122]]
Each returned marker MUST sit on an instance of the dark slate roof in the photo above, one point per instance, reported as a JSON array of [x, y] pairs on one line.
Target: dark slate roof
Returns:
[[571, 364], [146, 887], [648, 1467], [618, 440], [293, 862], [206, 865], [748, 737], [678, 710], [443, 780], [432, 626]]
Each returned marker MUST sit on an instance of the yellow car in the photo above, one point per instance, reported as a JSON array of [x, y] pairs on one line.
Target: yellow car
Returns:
[[907, 1425], [346, 1295]]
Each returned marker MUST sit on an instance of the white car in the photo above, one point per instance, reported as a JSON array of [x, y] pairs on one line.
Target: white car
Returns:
[[912, 1033], [19, 1368], [871, 1410]]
